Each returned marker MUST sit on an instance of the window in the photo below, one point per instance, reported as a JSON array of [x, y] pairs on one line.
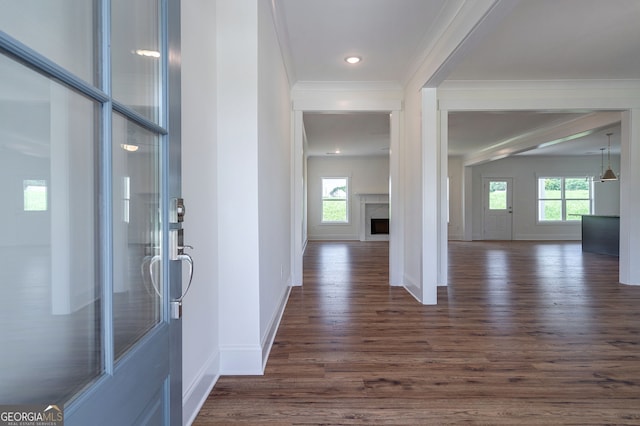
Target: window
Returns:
[[334, 200], [497, 195], [563, 199], [35, 195]]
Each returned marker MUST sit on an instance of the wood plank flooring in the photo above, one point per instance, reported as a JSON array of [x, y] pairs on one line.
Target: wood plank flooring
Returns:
[[526, 333]]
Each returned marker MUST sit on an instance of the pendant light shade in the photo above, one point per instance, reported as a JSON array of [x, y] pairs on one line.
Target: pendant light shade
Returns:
[[609, 174]]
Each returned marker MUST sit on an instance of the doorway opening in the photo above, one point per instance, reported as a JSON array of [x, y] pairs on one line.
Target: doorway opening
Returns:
[[355, 146]]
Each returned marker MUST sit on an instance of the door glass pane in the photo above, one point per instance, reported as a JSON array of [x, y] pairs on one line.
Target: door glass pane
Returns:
[[497, 195], [50, 305], [135, 55], [63, 31], [137, 281]]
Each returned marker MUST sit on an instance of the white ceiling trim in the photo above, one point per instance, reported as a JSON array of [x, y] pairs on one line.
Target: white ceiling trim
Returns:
[[545, 136], [539, 95], [495, 13], [458, 21], [346, 96], [282, 33]]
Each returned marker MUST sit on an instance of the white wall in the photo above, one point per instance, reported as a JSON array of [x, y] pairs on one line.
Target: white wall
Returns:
[[236, 185], [367, 175], [237, 168], [274, 178], [524, 171], [607, 195], [411, 180], [305, 195], [456, 200], [253, 183], [200, 321]]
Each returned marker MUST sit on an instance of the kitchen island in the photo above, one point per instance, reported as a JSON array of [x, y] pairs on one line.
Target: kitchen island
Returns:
[[601, 234]]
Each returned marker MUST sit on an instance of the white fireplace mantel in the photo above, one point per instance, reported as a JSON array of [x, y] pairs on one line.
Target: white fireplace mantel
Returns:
[[365, 227]]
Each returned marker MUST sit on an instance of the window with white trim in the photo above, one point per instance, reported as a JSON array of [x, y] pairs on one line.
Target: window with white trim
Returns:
[[35, 195], [564, 199], [335, 196]]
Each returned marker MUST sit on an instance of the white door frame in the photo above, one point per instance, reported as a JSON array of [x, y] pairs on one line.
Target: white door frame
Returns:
[[600, 95], [344, 99]]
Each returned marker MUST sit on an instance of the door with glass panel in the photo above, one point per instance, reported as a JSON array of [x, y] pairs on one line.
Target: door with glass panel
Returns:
[[498, 211], [86, 178]]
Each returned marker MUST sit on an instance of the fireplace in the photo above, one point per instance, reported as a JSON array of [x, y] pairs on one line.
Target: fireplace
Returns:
[[379, 226], [374, 217]]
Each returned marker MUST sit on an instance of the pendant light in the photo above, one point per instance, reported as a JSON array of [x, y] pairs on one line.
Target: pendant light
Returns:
[[609, 174], [602, 163]]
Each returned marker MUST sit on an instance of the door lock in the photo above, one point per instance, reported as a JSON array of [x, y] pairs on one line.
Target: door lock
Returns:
[[177, 210]]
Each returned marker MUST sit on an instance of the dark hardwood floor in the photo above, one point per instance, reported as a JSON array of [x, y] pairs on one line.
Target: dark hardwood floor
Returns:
[[526, 333]]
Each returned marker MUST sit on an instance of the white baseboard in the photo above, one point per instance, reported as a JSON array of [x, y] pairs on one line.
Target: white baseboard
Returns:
[[270, 335], [241, 360], [195, 396], [554, 237], [411, 285], [414, 291], [250, 360], [334, 237], [538, 237]]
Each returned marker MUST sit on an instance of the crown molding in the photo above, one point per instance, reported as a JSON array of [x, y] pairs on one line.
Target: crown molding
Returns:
[[538, 95], [347, 96]]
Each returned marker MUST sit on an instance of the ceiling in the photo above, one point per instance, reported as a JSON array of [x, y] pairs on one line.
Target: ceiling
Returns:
[[518, 40], [361, 134]]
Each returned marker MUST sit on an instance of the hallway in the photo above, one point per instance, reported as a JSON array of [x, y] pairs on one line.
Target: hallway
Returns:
[[526, 333]]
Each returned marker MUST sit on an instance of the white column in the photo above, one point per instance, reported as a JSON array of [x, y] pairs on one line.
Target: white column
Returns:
[[467, 197], [238, 215], [443, 229], [430, 196], [630, 198], [396, 202]]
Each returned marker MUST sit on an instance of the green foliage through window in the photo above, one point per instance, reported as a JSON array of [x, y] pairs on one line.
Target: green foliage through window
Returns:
[[35, 195], [497, 195], [563, 199], [335, 200]]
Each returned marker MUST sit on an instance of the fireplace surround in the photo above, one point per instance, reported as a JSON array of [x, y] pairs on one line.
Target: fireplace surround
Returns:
[[374, 207]]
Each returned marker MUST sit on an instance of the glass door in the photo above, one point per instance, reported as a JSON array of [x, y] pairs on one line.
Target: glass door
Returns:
[[88, 165]]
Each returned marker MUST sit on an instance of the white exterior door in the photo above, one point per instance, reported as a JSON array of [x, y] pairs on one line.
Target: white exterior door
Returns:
[[497, 211]]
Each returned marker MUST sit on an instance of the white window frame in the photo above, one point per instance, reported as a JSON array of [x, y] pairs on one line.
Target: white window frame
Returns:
[[563, 199], [346, 201]]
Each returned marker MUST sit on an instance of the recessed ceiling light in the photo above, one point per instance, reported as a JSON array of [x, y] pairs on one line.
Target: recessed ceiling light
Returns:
[[353, 59], [130, 148], [147, 53]]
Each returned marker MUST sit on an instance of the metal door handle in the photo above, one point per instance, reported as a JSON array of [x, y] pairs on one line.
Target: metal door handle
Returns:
[[176, 305], [152, 261], [189, 260]]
